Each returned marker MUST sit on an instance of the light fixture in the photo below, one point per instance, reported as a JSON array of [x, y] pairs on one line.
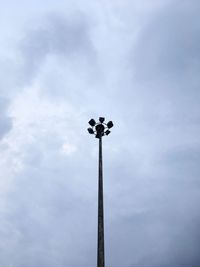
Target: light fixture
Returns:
[[110, 124], [100, 128], [107, 132], [101, 119], [90, 130], [92, 122]]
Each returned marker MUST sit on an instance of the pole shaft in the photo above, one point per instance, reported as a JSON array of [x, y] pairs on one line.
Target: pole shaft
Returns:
[[100, 252]]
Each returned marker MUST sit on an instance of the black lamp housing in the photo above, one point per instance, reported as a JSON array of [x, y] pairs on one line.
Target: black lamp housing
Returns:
[[90, 130], [92, 122], [101, 119], [107, 132], [110, 124]]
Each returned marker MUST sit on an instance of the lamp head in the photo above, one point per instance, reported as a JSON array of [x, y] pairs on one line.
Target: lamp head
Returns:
[[101, 119], [110, 124], [92, 122], [90, 130], [107, 132]]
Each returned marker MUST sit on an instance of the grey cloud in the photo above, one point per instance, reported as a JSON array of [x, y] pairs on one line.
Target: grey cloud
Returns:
[[156, 217], [164, 67], [185, 163], [50, 211], [67, 38], [5, 120], [169, 45], [11, 76]]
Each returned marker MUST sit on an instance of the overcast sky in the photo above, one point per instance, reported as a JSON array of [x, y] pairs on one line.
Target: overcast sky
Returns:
[[136, 62]]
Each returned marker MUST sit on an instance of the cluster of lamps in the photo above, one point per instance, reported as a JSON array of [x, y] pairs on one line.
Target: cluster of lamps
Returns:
[[100, 128]]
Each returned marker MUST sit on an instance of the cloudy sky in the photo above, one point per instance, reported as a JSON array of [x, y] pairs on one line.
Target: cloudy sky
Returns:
[[135, 62]]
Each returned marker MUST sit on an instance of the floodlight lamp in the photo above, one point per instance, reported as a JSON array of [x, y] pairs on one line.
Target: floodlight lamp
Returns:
[[110, 124], [90, 130], [107, 132], [92, 122], [101, 119]]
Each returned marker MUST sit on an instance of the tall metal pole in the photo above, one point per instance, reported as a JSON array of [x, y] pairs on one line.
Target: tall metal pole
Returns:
[[100, 129], [100, 250]]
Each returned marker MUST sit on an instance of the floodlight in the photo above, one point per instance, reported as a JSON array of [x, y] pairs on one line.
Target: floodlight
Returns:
[[110, 124], [100, 128], [90, 130], [92, 122], [107, 132], [101, 119]]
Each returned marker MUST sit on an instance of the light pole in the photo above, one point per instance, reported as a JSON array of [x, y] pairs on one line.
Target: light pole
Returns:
[[100, 129]]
